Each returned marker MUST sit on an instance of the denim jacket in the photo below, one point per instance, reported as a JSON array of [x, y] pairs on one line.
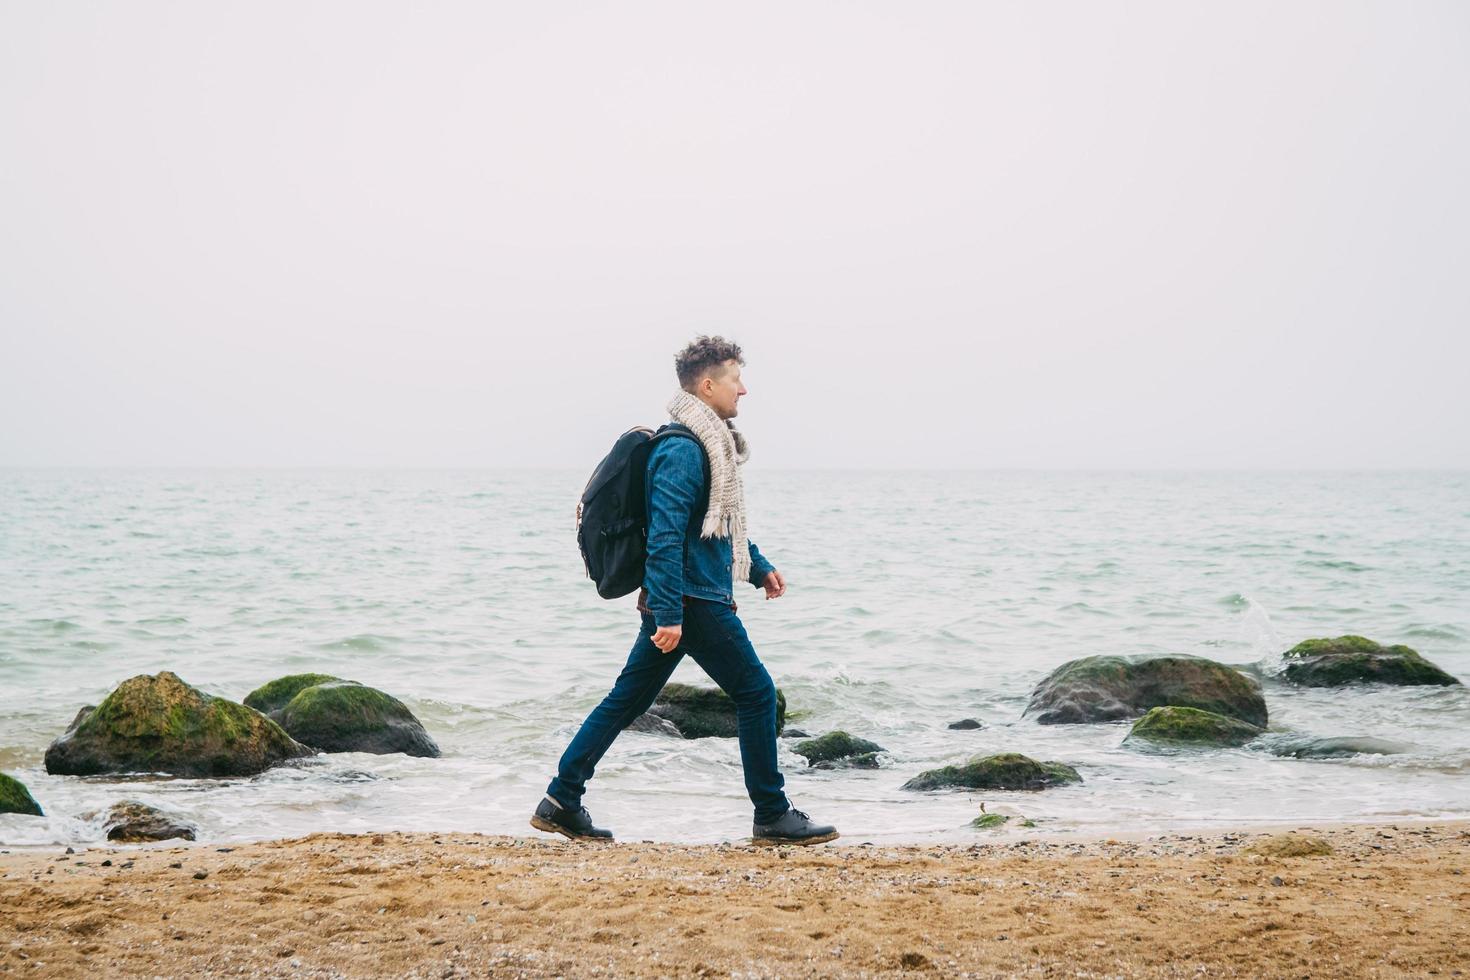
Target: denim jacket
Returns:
[[680, 562]]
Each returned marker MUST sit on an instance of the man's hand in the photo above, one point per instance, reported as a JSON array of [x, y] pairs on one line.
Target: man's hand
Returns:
[[774, 584], [667, 637]]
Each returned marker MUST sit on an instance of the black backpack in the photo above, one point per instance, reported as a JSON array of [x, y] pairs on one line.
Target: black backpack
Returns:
[[612, 517]]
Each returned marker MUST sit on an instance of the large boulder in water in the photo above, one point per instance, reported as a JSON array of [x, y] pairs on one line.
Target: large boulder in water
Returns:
[[1359, 660], [1096, 689], [157, 723], [1176, 726], [15, 798], [333, 715], [1009, 770], [705, 712]]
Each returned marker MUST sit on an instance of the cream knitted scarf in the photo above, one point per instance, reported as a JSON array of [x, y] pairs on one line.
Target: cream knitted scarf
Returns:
[[726, 450]]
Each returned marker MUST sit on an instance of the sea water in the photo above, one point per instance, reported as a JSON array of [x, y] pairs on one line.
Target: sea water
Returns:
[[915, 599]]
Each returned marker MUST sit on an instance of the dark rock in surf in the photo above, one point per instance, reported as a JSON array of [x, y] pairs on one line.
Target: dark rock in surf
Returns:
[[965, 725], [704, 712], [1359, 660], [15, 798], [345, 716], [132, 822], [1010, 771], [1296, 746], [863, 760], [839, 750], [654, 725], [1176, 726], [1101, 689]]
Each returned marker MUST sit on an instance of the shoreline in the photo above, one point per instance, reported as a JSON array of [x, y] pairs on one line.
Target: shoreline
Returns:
[[1391, 898]]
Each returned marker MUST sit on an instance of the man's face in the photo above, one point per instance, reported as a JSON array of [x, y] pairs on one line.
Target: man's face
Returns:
[[721, 389]]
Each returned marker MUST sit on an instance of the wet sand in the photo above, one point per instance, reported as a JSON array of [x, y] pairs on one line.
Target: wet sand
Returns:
[[1388, 901]]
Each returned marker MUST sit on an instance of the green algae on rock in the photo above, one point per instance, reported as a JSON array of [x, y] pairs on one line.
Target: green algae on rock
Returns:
[[705, 712], [1173, 725], [988, 821], [270, 698], [159, 724], [1330, 662], [15, 798], [839, 746], [345, 716], [1009, 770], [1114, 688]]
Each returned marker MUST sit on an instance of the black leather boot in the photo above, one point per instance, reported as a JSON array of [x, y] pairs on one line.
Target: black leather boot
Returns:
[[576, 824], [793, 827]]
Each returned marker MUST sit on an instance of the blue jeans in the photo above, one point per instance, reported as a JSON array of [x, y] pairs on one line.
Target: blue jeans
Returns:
[[715, 638]]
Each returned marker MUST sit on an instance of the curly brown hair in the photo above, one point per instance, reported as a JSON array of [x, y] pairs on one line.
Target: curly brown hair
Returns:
[[702, 355]]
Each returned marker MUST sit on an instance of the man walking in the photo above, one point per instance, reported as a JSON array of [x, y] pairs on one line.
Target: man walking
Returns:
[[687, 603]]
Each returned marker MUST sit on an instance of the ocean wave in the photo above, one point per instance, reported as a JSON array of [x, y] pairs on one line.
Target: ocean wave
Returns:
[[1441, 631], [55, 625], [1340, 564], [363, 642]]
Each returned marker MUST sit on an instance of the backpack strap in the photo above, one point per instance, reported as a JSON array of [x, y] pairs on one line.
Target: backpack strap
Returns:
[[677, 430]]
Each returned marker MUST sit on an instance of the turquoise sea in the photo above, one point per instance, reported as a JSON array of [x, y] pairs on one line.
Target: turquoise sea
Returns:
[[915, 599]]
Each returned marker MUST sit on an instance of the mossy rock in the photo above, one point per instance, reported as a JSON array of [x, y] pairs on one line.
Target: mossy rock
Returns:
[[989, 821], [1359, 660], [1101, 689], [159, 724], [344, 716], [1009, 770], [1190, 726], [270, 698], [705, 712], [836, 746], [15, 798], [132, 822]]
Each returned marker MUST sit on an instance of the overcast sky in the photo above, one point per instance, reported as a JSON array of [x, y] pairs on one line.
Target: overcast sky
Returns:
[[972, 235]]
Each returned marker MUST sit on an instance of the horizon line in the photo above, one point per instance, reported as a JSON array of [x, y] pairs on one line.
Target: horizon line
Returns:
[[439, 468]]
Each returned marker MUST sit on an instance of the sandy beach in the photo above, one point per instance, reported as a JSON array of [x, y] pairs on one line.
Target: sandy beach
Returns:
[[1387, 901]]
